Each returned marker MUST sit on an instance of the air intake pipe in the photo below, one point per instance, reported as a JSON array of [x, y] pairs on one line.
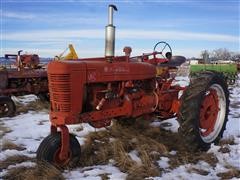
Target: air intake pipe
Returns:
[[110, 34]]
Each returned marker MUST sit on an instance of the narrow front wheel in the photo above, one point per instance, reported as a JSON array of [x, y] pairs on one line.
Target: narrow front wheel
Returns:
[[50, 147]]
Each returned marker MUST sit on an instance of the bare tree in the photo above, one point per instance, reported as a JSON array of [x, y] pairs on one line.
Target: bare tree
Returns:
[[205, 56], [221, 54], [235, 56]]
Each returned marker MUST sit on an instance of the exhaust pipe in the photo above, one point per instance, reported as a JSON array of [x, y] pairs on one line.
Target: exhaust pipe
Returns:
[[110, 34], [19, 62]]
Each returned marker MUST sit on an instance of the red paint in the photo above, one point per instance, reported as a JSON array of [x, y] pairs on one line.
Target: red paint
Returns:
[[209, 111], [95, 91]]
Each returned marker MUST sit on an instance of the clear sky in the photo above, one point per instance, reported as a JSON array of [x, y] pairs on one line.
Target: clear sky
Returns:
[[47, 27]]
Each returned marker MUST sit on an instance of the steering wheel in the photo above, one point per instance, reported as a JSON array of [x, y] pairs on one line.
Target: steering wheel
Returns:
[[165, 53]]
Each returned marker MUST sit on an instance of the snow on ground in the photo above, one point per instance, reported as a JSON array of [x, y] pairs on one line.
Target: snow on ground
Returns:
[[29, 129], [94, 172], [169, 124], [25, 99], [134, 156]]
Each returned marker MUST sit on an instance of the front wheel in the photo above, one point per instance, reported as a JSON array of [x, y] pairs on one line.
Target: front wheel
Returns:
[[7, 106], [204, 110], [50, 147]]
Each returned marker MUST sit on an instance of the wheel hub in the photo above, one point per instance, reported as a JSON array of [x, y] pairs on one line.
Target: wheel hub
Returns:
[[209, 112]]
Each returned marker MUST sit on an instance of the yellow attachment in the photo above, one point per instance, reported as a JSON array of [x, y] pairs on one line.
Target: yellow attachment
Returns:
[[70, 56]]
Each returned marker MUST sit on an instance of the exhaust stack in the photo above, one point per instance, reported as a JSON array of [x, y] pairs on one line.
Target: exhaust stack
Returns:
[[110, 33]]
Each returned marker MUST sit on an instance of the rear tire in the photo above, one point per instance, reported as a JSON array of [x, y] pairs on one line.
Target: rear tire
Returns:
[[204, 111], [50, 147], [7, 107]]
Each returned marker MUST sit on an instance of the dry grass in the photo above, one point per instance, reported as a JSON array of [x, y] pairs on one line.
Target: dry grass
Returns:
[[41, 171], [198, 171], [3, 130], [150, 142], [104, 176], [12, 160], [98, 149], [37, 105], [232, 173], [235, 105], [229, 141], [184, 157], [6, 144], [114, 144]]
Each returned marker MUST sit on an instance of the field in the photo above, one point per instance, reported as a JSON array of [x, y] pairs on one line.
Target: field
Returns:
[[147, 149]]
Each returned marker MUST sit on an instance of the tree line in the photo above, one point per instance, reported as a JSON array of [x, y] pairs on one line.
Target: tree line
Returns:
[[220, 54]]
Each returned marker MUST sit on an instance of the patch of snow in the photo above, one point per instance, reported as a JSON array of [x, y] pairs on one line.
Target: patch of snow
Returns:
[[12, 152], [111, 140], [134, 156], [26, 129], [81, 130], [23, 164], [189, 171], [228, 159], [25, 99], [173, 152], [94, 172], [172, 124], [163, 162], [182, 81]]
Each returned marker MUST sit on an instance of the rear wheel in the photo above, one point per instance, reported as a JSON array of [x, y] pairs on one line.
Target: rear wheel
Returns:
[[204, 110], [7, 106], [50, 147]]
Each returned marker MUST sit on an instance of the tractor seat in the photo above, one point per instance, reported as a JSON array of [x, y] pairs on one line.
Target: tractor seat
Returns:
[[174, 61]]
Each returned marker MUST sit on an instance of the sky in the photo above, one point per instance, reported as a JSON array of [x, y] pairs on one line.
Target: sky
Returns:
[[46, 27]]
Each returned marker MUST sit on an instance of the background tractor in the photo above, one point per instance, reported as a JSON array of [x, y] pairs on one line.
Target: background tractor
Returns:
[[24, 77], [96, 90]]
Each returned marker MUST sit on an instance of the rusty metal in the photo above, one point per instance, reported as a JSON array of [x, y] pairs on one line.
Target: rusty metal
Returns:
[[26, 77]]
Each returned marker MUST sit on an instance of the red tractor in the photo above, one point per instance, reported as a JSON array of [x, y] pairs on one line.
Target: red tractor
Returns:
[[96, 90], [26, 76]]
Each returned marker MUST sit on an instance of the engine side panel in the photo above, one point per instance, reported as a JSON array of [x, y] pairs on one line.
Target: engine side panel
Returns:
[[98, 71]]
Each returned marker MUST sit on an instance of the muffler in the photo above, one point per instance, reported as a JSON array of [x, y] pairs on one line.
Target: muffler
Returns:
[[110, 34]]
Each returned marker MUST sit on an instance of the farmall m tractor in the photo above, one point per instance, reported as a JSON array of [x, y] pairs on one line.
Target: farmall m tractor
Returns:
[[96, 90]]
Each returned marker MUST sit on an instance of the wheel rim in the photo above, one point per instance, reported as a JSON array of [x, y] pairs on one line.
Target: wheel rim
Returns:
[[212, 113], [60, 162]]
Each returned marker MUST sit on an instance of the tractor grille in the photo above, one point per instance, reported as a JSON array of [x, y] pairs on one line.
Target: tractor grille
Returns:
[[60, 92]]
